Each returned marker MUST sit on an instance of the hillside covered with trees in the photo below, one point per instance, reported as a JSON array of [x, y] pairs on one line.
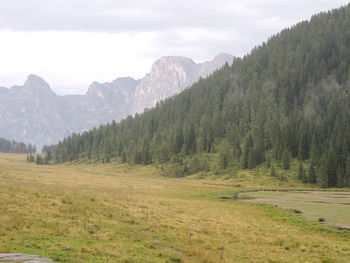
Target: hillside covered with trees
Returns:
[[8, 146], [289, 98]]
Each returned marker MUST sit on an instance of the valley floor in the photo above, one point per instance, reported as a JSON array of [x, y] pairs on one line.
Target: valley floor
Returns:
[[115, 213]]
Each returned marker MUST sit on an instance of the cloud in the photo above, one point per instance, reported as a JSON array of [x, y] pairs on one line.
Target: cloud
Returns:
[[139, 15], [69, 60], [74, 42]]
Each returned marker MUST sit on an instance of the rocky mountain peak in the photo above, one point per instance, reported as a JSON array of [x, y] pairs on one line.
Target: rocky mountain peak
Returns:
[[95, 89], [124, 83], [34, 80], [172, 63], [172, 74], [174, 59], [37, 85], [224, 57]]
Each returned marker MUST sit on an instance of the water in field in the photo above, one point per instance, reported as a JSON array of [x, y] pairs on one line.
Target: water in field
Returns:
[[333, 207]]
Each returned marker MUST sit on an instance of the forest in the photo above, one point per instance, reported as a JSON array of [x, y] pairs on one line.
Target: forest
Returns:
[[10, 146], [287, 99]]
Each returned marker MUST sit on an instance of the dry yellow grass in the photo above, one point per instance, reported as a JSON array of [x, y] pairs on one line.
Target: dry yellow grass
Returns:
[[115, 213]]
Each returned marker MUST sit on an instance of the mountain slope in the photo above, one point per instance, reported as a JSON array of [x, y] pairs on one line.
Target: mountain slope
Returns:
[[289, 98], [33, 113]]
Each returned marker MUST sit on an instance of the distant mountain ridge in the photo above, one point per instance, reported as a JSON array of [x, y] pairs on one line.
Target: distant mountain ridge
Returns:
[[34, 114]]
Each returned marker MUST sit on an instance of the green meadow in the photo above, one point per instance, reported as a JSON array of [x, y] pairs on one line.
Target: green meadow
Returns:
[[119, 213]]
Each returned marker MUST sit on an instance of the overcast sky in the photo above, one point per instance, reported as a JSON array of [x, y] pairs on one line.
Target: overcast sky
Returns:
[[71, 43]]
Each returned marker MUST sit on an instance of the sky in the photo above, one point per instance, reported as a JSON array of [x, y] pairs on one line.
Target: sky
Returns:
[[71, 43]]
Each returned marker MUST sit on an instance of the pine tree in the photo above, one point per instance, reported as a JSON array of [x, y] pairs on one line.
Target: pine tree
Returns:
[[347, 172], [301, 173], [46, 159], [340, 177], [285, 159], [191, 142], [224, 155], [331, 167], [314, 150], [179, 141], [272, 171], [268, 161], [247, 148], [251, 159], [312, 178], [123, 157], [244, 158], [39, 159], [322, 177], [137, 157]]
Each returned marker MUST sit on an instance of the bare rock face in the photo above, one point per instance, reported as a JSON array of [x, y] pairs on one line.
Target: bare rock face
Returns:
[[34, 114], [171, 75], [102, 103], [31, 113], [3, 90], [21, 258]]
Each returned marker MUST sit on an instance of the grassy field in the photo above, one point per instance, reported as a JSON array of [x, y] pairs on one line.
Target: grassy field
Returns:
[[333, 207], [115, 213]]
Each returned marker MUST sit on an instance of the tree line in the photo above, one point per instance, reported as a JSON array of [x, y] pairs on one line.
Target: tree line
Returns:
[[288, 98], [11, 146]]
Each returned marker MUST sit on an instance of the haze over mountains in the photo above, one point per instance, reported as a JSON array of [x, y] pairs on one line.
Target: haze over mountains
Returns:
[[33, 113]]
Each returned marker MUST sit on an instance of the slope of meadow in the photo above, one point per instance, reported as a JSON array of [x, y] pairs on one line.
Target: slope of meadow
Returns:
[[117, 213]]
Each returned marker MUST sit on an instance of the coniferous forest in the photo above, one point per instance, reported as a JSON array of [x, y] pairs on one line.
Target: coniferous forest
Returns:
[[287, 99], [8, 146]]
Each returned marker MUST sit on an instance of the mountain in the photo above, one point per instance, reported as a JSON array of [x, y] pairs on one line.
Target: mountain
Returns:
[[3, 91], [289, 98], [34, 114], [171, 75], [101, 104], [31, 113]]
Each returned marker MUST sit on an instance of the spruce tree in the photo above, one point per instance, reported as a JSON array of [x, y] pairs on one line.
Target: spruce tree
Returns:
[[244, 158], [272, 171], [347, 172], [224, 155], [268, 161], [301, 173], [322, 177], [285, 159], [123, 157], [39, 159], [247, 148], [314, 150], [191, 141], [179, 140], [340, 177], [251, 159], [331, 160], [312, 178]]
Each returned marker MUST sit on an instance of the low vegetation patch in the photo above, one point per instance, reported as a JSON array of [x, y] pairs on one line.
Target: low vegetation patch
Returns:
[[323, 206]]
